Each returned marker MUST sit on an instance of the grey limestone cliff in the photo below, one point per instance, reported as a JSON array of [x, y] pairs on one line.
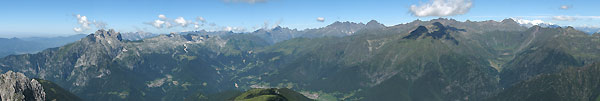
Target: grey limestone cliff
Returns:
[[16, 86]]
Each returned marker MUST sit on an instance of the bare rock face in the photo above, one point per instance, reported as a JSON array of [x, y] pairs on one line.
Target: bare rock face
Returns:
[[17, 87]]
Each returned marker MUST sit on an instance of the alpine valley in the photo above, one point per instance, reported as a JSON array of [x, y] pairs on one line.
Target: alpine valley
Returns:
[[437, 60]]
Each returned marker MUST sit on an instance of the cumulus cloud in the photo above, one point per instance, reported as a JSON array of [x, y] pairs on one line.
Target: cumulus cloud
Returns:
[[84, 24], [245, 1], [182, 22], [441, 8], [164, 22], [320, 19], [565, 7], [563, 18], [82, 20], [158, 23]]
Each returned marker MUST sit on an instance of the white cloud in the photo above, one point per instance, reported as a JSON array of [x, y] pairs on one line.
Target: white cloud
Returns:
[[182, 22], [162, 16], [565, 7], [158, 23], [266, 24], [168, 24], [77, 29], [245, 1], [201, 19], [234, 29], [196, 26], [320, 19], [99, 24], [227, 28], [82, 20], [84, 24], [563, 18], [531, 22], [276, 24], [441, 8], [164, 22]]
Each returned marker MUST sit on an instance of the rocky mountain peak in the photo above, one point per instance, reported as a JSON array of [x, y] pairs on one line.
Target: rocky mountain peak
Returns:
[[104, 34], [374, 24], [16, 86], [277, 28], [570, 28], [509, 21], [346, 24], [106, 37], [444, 20]]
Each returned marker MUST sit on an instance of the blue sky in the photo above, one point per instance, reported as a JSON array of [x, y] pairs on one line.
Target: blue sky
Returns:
[[22, 18]]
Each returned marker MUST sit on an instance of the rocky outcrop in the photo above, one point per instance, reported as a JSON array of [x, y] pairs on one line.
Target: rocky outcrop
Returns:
[[17, 87]]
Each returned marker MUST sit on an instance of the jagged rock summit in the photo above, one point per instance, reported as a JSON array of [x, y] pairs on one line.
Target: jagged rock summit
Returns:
[[104, 34], [16, 86]]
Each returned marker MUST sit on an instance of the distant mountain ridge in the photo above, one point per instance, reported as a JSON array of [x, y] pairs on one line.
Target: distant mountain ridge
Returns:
[[33, 44], [441, 59], [278, 33]]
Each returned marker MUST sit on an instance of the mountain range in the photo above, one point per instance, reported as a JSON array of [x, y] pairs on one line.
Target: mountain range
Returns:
[[441, 59], [33, 44]]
